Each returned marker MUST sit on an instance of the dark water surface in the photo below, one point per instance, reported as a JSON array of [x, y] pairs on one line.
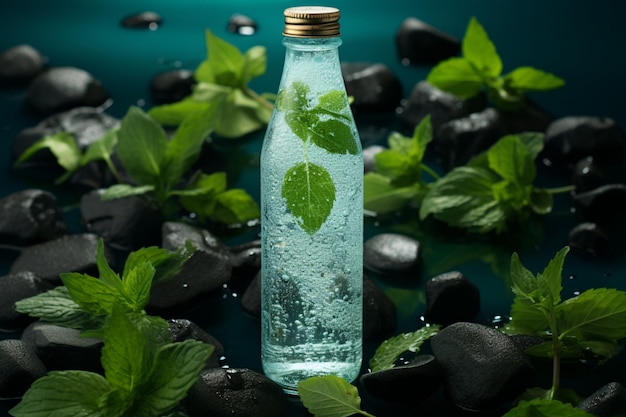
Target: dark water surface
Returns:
[[581, 41]]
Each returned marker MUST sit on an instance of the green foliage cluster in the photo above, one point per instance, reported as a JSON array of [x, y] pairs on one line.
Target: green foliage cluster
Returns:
[[494, 190], [145, 374], [158, 166], [480, 68]]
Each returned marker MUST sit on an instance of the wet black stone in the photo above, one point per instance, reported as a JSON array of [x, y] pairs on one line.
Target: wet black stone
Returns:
[[419, 43], [379, 311], [587, 175], [183, 329], [604, 205], [457, 141], [63, 348], [144, 20], [426, 99], [374, 87], [251, 298], [63, 88], [246, 261], [589, 240], [235, 392], [19, 368], [70, 253], [369, 157], [127, 223], [450, 298], [572, 138], [30, 216], [14, 288], [175, 235], [608, 401], [484, 370], [204, 273], [392, 255], [242, 25], [20, 64], [407, 384], [172, 86]]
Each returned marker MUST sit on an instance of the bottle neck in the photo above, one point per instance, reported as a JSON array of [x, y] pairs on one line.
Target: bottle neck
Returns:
[[314, 61], [312, 44]]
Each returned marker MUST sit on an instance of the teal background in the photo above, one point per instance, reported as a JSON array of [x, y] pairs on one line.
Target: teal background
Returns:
[[579, 40]]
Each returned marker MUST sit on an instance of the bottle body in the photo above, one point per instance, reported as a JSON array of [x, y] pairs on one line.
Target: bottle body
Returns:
[[312, 223]]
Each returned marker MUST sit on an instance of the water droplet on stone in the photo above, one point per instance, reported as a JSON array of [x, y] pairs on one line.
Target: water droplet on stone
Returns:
[[242, 25]]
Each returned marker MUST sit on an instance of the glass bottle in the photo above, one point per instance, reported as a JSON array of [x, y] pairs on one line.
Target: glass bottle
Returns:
[[311, 212]]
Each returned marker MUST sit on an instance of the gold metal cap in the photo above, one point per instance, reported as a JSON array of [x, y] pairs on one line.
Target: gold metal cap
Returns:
[[311, 22]]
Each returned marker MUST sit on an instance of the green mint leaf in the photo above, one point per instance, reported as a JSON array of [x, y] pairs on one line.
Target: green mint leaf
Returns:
[[456, 76], [106, 274], [177, 367], [598, 313], [201, 195], [141, 147], [545, 408], [166, 264], [533, 142], [102, 149], [527, 318], [330, 396], [480, 51], [606, 349], [185, 146], [309, 192], [464, 198], [126, 355], [381, 196], [92, 295], [136, 286], [531, 79], [523, 282], [330, 132], [551, 278], [294, 99], [62, 145], [422, 136], [57, 307], [399, 167], [65, 393], [335, 104], [224, 62], [173, 114], [240, 114], [400, 143], [391, 349], [125, 190], [235, 206], [510, 158], [254, 63], [334, 136]]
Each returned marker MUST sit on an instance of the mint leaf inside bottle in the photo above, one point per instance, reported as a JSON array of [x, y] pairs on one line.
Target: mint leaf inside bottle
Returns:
[[310, 193]]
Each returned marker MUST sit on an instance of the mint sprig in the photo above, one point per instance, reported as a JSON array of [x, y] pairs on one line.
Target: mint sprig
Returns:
[[145, 375], [157, 165], [593, 321], [84, 302], [480, 68], [223, 77], [141, 379], [398, 179], [494, 190], [308, 188]]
